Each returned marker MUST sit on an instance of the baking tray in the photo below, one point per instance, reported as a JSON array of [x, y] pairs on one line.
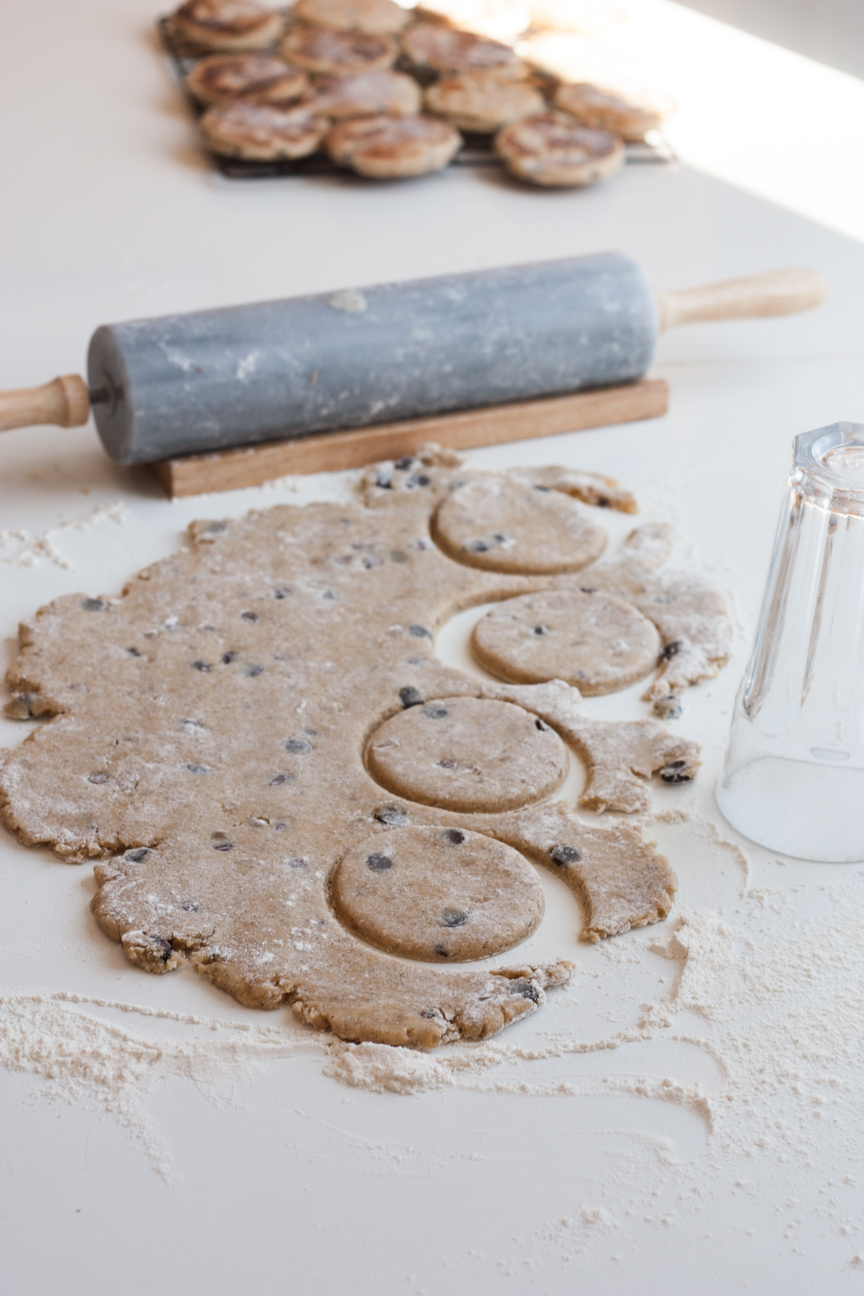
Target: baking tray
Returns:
[[475, 152]]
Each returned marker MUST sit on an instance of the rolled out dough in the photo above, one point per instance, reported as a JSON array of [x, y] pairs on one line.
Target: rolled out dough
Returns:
[[206, 746]]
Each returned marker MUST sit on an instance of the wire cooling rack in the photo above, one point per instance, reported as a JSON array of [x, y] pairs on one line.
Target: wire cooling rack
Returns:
[[475, 152]]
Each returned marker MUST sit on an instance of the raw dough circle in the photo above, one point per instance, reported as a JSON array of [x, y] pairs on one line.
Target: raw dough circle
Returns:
[[552, 149], [437, 894], [506, 526], [593, 640], [470, 754]]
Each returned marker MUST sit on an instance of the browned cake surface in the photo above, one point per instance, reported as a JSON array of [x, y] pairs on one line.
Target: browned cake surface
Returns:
[[262, 131], [254, 78], [387, 146], [553, 149]]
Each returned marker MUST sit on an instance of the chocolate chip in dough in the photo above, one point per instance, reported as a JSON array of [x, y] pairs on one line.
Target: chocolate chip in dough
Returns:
[[677, 771], [391, 814], [565, 855]]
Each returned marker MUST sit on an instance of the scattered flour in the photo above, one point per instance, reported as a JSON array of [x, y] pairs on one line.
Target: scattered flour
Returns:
[[35, 549], [85, 1058], [765, 983]]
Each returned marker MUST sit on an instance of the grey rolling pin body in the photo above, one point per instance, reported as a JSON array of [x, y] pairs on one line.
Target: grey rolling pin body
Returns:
[[185, 384]]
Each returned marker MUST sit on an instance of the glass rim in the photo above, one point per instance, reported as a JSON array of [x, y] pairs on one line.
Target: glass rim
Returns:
[[824, 481]]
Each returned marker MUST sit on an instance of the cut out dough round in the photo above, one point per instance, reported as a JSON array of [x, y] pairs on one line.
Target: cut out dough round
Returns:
[[437, 894], [595, 641], [467, 754], [501, 525]]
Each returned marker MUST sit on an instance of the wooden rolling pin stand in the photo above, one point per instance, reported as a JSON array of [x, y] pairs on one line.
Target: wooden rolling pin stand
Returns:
[[466, 430]]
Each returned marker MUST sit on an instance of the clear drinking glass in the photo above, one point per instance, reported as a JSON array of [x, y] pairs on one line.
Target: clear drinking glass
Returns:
[[794, 774]]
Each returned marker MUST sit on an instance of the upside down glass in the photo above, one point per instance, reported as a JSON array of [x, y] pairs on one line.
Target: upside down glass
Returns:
[[794, 774]]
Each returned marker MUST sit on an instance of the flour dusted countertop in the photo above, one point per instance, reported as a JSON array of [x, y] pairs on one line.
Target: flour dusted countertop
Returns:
[[686, 1113]]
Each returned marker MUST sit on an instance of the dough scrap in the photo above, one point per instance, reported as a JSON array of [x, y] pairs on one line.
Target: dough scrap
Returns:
[[206, 746], [468, 754], [437, 894], [593, 640], [621, 880]]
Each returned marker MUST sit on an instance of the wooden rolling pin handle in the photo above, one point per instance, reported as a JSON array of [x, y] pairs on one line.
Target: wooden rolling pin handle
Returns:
[[65, 402], [776, 292]]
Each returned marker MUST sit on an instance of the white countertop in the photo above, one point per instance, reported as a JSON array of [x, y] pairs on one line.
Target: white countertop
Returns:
[[714, 1153]]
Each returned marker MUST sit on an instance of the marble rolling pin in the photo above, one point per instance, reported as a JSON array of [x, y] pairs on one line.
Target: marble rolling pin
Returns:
[[373, 358]]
